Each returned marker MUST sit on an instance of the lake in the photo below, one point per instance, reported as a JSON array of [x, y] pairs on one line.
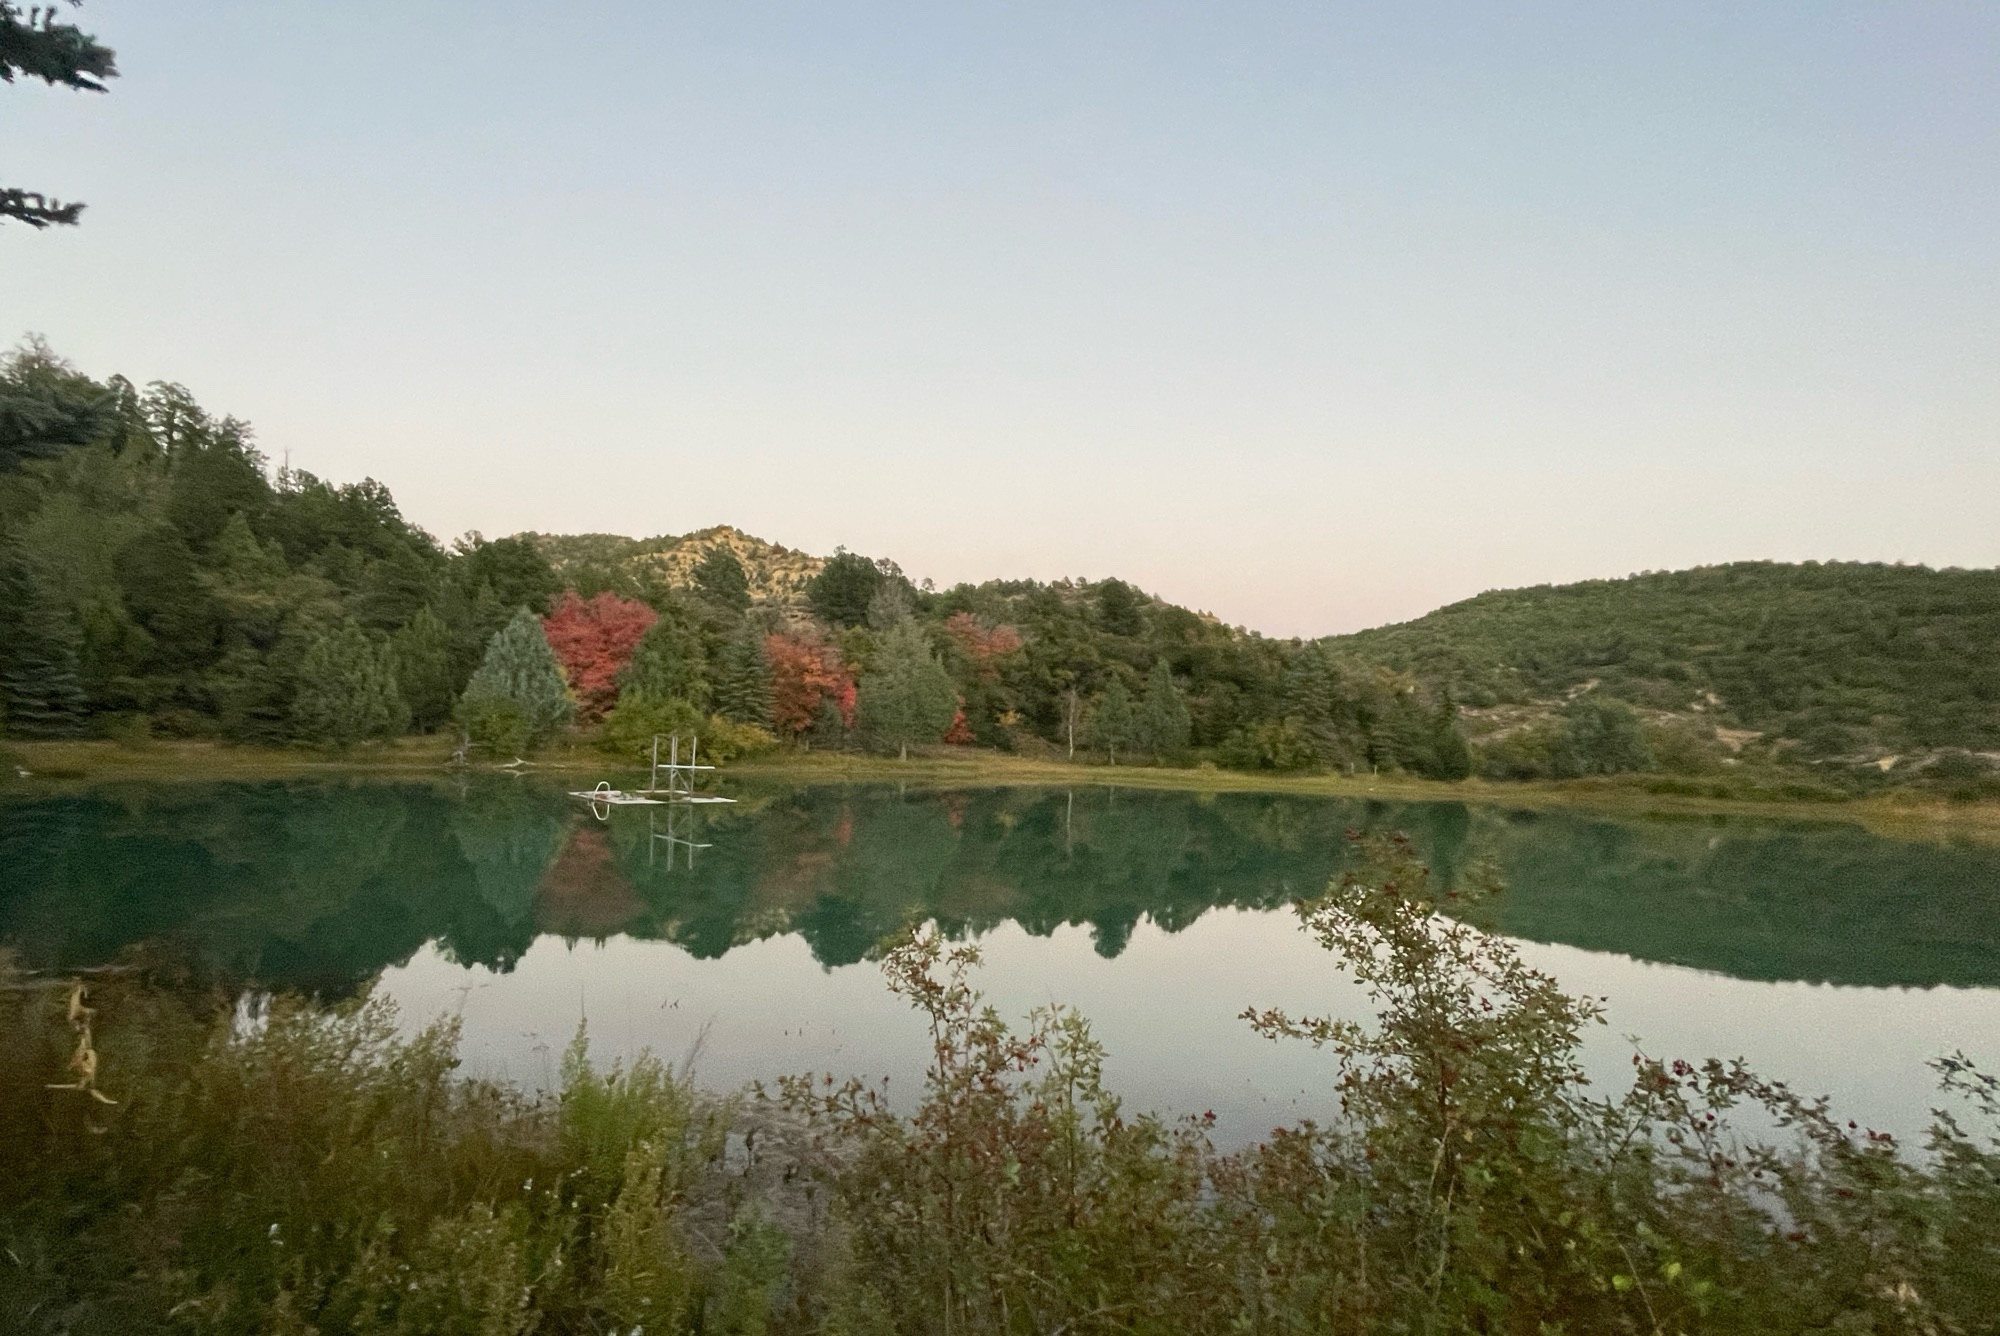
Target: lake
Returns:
[[737, 937]]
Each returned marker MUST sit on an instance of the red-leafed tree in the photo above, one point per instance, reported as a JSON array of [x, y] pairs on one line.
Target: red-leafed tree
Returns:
[[594, 640], [805, 673], [960, 732]]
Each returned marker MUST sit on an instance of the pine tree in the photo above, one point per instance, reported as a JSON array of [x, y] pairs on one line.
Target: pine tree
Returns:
[[743, 681], [519, 675], [1451, 754], [1163, 716], [720, 579], [907, 697], [41, 685], [669, 664], [61, 55], [347, 690], [1317, 697], [423, 669], [1114, 723]]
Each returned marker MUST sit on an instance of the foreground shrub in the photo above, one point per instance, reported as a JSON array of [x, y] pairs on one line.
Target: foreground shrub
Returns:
[[301, 1170]]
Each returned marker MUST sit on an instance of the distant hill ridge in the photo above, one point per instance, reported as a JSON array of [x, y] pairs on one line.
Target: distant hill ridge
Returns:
[[777, 574], [1844, 658]]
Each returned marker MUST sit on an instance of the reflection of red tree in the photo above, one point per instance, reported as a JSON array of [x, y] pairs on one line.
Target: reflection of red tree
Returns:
[[584, 894], [594, 640], [805, 673]]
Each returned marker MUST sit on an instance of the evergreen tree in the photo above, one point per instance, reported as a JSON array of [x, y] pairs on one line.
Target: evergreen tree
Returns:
[[519, 675], [60, 54], [47, 406], [1114, 722], [40, 683], [515, 569], [844, 588], [423, 669], [669, 664], [908, 696], [347, 690], [213, 480], [1315, 694], [743, 680], [1163, 715], [1118, 609], [1450, 754], [720, 579]]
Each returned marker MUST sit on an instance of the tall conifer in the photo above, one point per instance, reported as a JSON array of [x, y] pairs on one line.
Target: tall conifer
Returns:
[[743, 680], [41, 684], [520, 674], [1163, 716], [423, 668], [668, 664], [347, 690], [907, 697]]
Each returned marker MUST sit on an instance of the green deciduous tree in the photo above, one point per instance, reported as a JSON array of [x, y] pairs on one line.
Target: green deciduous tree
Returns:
[[1163, 715], [908, 696], [519, 679], [1601, 735], [347, 690]]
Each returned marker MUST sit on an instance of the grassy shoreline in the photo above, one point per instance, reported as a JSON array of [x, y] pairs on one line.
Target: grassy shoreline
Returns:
[[192, 761]]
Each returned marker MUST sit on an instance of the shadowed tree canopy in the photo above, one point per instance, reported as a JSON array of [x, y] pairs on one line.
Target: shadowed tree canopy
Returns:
[[721, 577], [47, 406], [844, 588], [34, 43]]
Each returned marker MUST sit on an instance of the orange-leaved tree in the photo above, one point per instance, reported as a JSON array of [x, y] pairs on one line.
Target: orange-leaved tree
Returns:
[[805, 673], [594, 640]]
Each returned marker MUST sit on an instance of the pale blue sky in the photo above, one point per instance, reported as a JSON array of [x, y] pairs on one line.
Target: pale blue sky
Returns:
[[1314, 316]]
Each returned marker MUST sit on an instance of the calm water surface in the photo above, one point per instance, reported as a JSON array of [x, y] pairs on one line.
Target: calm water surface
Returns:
[[1836, 959]]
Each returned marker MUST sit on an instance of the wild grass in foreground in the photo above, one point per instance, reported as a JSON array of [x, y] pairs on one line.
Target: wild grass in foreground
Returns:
[[299, 1170]]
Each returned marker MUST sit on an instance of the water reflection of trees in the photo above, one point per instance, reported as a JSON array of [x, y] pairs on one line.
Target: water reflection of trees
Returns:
[[319, 886]]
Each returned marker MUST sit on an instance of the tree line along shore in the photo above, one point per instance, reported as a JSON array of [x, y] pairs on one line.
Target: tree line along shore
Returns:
[[158, 580]]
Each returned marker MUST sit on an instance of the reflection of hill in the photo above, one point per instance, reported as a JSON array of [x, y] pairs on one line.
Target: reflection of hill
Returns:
[[1827, 903], [319, 885]]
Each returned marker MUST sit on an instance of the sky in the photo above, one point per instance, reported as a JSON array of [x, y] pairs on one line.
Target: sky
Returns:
[[1314, 316]]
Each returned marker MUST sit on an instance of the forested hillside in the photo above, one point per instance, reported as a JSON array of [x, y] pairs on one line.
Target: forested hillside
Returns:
[[157, 577], [1838, 660]]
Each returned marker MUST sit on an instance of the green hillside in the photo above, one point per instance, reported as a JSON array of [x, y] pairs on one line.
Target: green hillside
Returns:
[[1827, 660]]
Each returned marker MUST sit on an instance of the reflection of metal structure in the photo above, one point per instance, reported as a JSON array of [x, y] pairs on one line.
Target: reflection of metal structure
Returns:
[[680, 779], [681, 833], [603, 798]]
